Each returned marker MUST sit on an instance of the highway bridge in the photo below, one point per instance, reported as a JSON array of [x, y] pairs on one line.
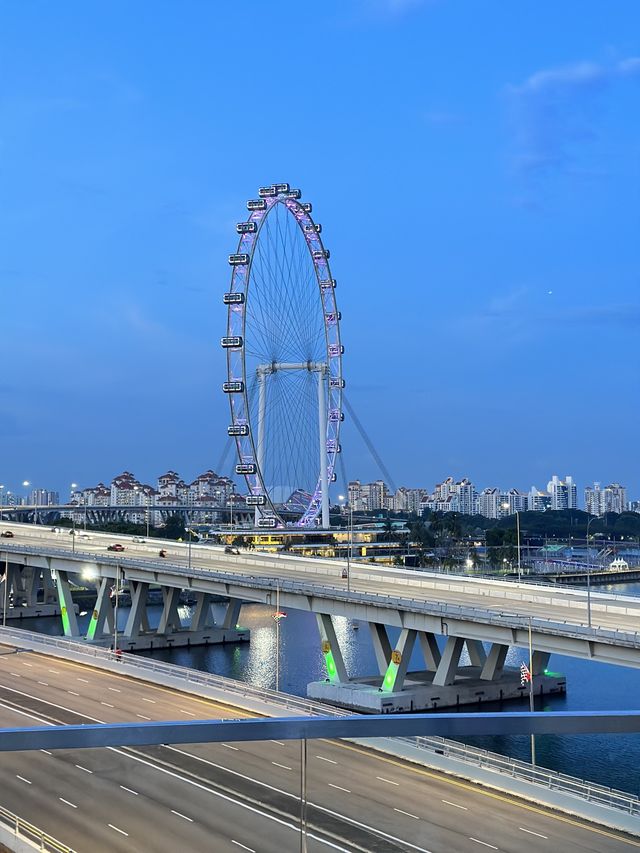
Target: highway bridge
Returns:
[[231, 797], [478, 616]]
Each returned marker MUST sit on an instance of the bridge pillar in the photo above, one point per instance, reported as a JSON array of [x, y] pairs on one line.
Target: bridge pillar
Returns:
[[232, 614], [477, 654], [540, 662], [202, 617], [396, 671], [448, 666], [101, 612], [381, 646], [170, 619], [137, 615], [430, 650], [67, 607], [333, 660], [494, 663]]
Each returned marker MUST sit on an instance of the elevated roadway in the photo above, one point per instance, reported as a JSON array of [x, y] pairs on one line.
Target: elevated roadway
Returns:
[[234, 797]]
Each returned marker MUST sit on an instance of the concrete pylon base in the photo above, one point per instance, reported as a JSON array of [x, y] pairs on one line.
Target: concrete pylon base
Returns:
[[153, 640], [419, 694]]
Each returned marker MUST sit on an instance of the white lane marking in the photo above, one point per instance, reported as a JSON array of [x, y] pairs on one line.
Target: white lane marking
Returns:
[[284, 766], [279, 742], [24, 663], [346, 790], [408, 814], [211, 791], [117, 829], [44, 683], [114, 689], [153, 701], [129, 790], [80, 767], [484, 843], [22, 779], [55, 671], [455, 805], [183, 816], [16, 674], [106, 704], [182, 711], [329, 760], [142, 717], [244, 846], [229, 746], [86, 680], [73, 692], [62, 800], [46, 751], [388, 781], [531, 832]]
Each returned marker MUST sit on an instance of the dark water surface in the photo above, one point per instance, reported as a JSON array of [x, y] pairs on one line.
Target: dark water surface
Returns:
[[612, 760]]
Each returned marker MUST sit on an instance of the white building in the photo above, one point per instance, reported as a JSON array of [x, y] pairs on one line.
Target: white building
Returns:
[[598, 501], [563, 493]]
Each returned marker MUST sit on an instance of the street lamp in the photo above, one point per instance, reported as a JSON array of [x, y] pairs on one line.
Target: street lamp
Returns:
[[591, 519], [350, 546], [25, 486], [517, 512]]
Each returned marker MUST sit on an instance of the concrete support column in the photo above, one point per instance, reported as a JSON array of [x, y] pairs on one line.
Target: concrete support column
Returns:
[[138, 591], [334, 663], [396, 671], [477, 654], [495, 662], [170, 620], [31, 578], [101, 611], [430, 650], [67, 610], [202, 617], [232, 614], [540, 662], [381, 646], [49, 588], [448, 666]]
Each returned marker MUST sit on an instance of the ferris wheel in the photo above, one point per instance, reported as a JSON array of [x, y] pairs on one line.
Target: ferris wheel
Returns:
[[284, 361]]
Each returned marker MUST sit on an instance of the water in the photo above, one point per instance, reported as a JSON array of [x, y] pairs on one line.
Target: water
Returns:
[[611, 760]]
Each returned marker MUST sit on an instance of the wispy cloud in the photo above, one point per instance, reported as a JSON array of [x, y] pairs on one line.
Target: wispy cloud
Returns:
[[555, 109]]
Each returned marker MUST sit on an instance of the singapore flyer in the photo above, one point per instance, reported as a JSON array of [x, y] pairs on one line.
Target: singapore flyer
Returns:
[[284, 361]]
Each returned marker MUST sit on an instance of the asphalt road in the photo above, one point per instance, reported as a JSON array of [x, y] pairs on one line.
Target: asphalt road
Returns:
[[235, 797]]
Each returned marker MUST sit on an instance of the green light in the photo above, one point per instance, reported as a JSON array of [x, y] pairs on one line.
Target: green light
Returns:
[[65, 621], [390, 677]]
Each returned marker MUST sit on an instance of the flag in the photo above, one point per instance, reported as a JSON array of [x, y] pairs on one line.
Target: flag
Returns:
[[525, 675], [278, 615]]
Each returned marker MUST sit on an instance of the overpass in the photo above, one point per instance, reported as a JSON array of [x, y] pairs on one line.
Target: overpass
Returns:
[[467, 613]]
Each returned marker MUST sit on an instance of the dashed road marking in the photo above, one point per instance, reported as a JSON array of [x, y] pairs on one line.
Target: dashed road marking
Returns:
[[106, 704], [346, 790], [329, 760], [244, 846], [22, 779], [455, 805], [86, 680], [73, 692], [183, 711], [44, 683], [484, 843], [66, 802], [408, 814], [55, 671], [229, 746], [142, 717], [279, 742], [86, 770], [114, 689], [129, 790], [531, 832], [153, 701], [183, 816], [117, 829], [284, 766], [46, 752], [388, 781]]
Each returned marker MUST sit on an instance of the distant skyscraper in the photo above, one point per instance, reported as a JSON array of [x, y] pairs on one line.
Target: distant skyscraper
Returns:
[[598, 501], [563, 493]]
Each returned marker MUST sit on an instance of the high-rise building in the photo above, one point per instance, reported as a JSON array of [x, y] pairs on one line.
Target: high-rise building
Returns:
[[598, 501], [563, 493], [43, 497]]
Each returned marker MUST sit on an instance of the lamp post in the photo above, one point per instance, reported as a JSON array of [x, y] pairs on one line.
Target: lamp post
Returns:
[[531, 702], [25, 486], [1, 500], [591, 518], [517, 513], [350, 545]]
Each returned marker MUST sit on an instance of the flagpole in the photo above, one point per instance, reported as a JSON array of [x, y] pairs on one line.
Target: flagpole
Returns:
[[531, 703]]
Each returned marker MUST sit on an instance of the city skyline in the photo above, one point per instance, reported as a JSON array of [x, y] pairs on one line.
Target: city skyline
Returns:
[[499, 159]]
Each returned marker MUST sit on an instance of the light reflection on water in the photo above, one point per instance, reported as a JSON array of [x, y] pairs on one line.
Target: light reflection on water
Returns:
[[608, 759]]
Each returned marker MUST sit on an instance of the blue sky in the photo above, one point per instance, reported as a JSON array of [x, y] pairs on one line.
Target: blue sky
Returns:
[[476, 169]]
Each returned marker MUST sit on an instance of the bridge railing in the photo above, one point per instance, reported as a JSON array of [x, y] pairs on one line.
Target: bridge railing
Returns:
[[25, 830], [472, 756]]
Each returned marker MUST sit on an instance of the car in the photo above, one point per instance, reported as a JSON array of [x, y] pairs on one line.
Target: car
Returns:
[[228, 549], [8, 534], [115, 547], [56, 530], [85, 536], [138, 539]]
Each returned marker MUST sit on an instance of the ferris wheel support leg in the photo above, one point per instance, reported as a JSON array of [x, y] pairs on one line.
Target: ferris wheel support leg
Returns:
[[262, 408], [322, 424]]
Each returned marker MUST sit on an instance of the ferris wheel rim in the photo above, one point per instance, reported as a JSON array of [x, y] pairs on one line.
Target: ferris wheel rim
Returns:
[[332, 352]]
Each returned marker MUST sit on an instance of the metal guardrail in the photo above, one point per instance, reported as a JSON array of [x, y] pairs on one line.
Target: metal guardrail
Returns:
[[472, 756], [25, 830], [505, 618]]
